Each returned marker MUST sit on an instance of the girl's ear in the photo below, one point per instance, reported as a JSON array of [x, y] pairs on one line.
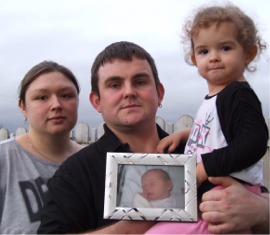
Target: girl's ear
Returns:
[[251, 54], [193, 59]]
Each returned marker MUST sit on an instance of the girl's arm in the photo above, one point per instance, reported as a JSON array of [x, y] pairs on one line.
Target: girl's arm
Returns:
[[172, 141]]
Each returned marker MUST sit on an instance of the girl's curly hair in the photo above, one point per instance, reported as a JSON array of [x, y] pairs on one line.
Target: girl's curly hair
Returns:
[[206, 16]]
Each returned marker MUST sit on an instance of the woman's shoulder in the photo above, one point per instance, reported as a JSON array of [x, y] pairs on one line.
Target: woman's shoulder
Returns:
[[7, 143], [80, 156], [9, 148], [76, 147]]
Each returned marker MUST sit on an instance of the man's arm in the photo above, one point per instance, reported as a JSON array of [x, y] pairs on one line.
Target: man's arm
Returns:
[[125, 227], [234, 208], [263, 226]]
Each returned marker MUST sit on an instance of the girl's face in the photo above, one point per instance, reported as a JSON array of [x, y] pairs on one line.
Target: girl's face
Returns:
[[219, 57], [51, 104]]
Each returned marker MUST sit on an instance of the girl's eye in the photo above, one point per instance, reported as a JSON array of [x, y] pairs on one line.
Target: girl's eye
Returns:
[[203, 52], [226, 48]]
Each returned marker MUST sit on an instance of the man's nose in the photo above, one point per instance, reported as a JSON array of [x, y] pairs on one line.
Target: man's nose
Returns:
[[129, 90]]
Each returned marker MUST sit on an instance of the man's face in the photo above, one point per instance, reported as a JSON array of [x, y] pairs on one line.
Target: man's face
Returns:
[[128, 94]]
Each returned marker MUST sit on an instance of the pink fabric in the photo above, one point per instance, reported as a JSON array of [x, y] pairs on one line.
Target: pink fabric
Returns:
[[200, 227]]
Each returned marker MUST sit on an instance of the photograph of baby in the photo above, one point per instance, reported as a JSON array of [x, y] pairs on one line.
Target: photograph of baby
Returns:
[[146, 186]]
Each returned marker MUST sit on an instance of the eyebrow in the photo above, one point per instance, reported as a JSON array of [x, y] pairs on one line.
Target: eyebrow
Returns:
[[119, 78], [113, 78], [141, 74], [220, 43], [42, 89]]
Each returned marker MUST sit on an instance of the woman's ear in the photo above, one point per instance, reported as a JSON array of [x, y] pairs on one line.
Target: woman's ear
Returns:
[[22, 107], [95, 101], [251, 54]]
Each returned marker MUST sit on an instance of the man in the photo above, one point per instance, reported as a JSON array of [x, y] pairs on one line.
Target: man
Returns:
[[126, 90]]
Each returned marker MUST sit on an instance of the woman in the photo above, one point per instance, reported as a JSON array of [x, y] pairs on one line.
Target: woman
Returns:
[[48, 99]]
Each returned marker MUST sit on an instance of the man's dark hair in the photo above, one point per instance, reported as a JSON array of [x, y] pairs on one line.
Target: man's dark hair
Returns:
[[120, 50]]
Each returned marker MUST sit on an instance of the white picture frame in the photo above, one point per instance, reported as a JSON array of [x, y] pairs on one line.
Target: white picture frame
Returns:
[[123, 177]]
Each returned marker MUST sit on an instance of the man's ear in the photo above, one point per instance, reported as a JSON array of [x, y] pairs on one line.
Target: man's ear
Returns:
[[193, 59], [95, 101], [161, 92], [251, 54]]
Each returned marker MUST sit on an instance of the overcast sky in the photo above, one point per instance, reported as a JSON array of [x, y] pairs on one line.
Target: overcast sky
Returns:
[[73, 32]]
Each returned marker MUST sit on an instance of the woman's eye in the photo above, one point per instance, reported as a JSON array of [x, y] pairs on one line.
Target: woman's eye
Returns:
[[42, 97], [67, 96]]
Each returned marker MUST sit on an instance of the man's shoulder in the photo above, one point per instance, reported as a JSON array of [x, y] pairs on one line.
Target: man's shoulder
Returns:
[[84, 153], [81, 163]]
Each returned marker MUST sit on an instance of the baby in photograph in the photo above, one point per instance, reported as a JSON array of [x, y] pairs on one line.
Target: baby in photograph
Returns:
[[157, 186]]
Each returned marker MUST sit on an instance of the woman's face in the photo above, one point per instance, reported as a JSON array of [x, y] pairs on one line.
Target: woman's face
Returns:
[[51, 104]]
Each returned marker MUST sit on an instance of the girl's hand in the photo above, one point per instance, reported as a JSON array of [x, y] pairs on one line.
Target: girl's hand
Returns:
[[201, 174], [170, 142]]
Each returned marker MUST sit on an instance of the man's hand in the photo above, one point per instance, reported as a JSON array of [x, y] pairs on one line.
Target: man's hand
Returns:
[[234, 208]]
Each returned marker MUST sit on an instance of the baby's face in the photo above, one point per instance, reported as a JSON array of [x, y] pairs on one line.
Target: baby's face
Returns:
[[155, 187]]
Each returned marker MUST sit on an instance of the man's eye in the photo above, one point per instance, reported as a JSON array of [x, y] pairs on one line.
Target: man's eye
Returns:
[[140, 82], [114, 85]]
